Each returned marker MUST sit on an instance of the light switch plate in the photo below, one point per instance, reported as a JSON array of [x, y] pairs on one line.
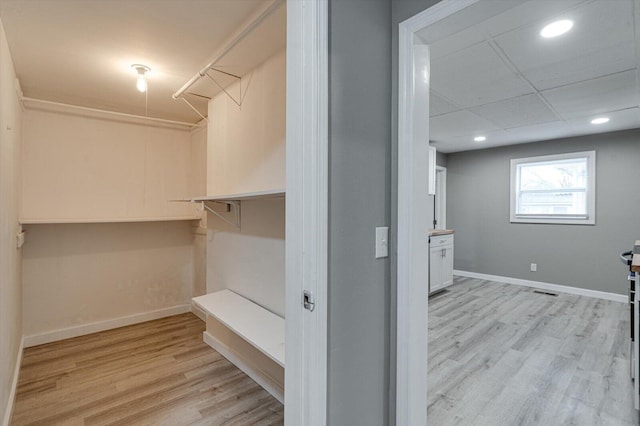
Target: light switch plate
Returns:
[[382, 242]]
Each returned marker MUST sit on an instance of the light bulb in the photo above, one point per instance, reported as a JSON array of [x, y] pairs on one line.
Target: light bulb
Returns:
[[141, 84], [142, 70]]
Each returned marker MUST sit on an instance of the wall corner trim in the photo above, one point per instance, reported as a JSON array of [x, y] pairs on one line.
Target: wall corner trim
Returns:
[[94, 327], [14, 385], [545, 286]]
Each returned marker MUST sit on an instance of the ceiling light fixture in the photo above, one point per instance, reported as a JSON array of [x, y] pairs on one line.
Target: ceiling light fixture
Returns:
[[556, 28], [142, 70], [600, 120], [480, 138]]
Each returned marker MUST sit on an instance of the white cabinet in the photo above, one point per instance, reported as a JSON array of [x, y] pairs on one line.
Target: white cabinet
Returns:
[[440, 262]]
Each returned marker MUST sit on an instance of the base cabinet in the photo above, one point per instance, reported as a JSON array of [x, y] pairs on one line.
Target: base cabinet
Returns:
[[440, 262]]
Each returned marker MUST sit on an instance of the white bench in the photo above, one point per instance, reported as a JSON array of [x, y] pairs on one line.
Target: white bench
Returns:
[[259, 327]]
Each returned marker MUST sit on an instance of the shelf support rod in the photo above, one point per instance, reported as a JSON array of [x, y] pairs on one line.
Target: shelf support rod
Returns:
[[236, 210], [194, 108], [239, 103]]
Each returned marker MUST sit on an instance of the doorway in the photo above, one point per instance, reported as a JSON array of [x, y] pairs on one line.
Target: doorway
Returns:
[[440, 199], [413, 212]]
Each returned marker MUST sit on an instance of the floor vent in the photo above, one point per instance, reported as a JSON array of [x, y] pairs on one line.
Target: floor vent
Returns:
[[546, 293]]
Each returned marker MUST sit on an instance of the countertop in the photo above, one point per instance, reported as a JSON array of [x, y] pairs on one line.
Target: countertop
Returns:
[[434, 232], [635, 265]]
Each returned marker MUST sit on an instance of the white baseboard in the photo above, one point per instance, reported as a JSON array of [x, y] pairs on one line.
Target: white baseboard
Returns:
[[546, 286], [94, 327], [14, 385], [266, 382], [198, 312]]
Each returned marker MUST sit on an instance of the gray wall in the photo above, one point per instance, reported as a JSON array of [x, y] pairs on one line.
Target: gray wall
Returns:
[[360, 130], [572, 255]]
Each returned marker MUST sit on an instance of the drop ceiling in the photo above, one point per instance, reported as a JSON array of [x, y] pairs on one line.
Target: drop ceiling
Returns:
[[80, 52], [493, 75]]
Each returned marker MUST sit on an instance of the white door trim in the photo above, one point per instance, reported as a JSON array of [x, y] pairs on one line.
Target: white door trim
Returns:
[[441, 196], [413, 273], [306, 212]]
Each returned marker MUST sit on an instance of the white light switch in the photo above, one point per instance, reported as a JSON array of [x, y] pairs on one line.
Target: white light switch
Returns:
[[382, 242]]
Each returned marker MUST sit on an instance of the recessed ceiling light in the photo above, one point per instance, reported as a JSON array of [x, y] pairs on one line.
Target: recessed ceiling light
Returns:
[[556, 28], [480, 138], [600, 120]]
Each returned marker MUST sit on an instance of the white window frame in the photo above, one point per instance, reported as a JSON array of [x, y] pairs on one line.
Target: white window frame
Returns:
[[590, 219]]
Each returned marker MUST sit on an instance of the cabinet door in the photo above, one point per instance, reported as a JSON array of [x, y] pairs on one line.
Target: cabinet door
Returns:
[[446, 270], [435, 268]]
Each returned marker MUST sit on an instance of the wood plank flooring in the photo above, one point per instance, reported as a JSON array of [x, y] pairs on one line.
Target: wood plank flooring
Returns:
[[501, 354], [155, 373], [498, 355]]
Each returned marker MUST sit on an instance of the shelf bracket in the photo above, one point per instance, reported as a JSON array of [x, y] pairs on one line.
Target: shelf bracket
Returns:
[[231, 205], [236, 101], [194, 108]]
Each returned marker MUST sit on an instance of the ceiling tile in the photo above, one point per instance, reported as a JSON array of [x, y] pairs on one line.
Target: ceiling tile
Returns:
[[464, 19], [619, 120], [600, 43], [475, 76], [438, 106], [517, 112], [458, 123], [604, 94], [525, 13]]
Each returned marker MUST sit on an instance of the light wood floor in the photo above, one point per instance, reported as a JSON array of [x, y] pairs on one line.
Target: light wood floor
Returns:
[[155, 373], [500, 354]]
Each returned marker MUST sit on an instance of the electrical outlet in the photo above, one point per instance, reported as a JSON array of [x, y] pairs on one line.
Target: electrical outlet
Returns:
[[534, 267]]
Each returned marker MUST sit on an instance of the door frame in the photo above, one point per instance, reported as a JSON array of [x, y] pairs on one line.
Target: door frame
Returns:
[[412, 247], [307, 183], [441, 195]]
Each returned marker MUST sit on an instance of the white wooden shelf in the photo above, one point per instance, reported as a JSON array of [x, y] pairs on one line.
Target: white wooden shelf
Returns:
[[45, 221], [276, 193], [234, 200], [264, 330]]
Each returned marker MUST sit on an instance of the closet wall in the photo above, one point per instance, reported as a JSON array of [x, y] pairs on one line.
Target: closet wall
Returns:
[[10, 257], [246, 153], [81, 277]]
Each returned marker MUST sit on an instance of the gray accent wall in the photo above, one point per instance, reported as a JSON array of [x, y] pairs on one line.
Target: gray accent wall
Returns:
[[359, 197], [571, 255]]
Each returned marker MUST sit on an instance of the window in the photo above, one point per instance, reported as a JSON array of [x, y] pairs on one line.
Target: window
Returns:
[[554, 189]]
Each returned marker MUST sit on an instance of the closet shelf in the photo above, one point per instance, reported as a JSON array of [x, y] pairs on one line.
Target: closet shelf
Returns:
[[234, 200], [28, 221], [275, 193], [261, 328]]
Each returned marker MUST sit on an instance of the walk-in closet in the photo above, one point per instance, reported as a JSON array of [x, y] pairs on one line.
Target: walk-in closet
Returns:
[[149, 171]]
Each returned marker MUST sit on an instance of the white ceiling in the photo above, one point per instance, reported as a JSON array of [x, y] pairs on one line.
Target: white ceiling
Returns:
[[492, 74], [80, 52]]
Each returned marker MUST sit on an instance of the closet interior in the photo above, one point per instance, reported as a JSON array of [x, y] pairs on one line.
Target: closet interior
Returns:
[[129, 218]]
